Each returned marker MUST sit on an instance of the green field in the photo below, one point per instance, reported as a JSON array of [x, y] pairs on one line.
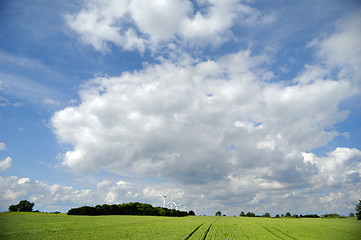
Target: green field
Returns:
[[61, 226]]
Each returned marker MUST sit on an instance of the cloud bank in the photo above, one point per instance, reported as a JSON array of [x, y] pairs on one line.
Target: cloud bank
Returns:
[[338, 173]]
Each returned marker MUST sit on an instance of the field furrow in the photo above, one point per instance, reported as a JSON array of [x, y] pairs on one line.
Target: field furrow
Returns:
[[273, 233], [283, 233], [202, 230], [205, 235], [193, 232]]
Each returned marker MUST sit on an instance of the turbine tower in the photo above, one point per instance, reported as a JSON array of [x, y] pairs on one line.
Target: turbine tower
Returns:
[[164, 198]]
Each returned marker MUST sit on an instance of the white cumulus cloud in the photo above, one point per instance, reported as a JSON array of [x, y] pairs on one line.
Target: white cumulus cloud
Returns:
[[5, 163], [179, 122], [342, 48], [138, 24]]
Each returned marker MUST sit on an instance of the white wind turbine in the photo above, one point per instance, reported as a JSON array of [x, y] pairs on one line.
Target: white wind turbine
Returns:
[[177, 205], [164, 198], [171, 203]]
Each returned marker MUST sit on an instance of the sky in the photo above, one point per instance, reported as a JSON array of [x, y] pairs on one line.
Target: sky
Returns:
[[228, 105]]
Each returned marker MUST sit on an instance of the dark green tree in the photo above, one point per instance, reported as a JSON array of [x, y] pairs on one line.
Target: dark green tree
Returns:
[[358, 210], [218, 213], [267, 215], [13, 208], [250, 214], [23, 206], [288, 214], [331, 215], [242, 214]]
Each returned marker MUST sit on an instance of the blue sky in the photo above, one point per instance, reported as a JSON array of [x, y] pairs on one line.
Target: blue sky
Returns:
[[229, 105]]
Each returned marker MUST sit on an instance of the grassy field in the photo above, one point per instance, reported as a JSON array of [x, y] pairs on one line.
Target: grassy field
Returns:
[[61, 226]]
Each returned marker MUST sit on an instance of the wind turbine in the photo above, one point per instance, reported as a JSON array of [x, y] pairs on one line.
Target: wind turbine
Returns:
[[164, 198], [176, 205], [171, 203]]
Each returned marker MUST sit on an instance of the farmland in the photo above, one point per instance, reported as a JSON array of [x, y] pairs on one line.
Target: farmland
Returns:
[[61, 226]]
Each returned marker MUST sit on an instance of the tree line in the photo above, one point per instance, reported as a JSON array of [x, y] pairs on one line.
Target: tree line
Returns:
[[132, 208], [289, 215], [136, 208]]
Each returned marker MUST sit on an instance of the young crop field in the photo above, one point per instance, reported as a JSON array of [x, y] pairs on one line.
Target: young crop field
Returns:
[[61, 226]]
